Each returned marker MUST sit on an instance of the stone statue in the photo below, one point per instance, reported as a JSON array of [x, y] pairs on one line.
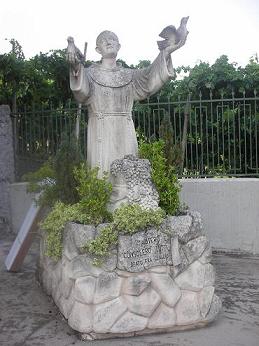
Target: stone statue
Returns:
[[109, 91]]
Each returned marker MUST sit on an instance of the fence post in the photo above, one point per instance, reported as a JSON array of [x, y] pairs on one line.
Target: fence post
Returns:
[[184, 136], [6, 166]]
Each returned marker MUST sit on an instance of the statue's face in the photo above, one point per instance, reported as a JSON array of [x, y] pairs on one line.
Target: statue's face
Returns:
[[108, 45]]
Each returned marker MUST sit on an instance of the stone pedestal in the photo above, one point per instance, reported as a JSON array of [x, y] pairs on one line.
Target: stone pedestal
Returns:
[[153, 281]]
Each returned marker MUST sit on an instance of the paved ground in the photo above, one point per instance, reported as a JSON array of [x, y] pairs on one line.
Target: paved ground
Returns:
[[28, 317]]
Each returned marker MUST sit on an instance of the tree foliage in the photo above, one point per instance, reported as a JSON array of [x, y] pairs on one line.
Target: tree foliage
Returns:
[[45, 78]]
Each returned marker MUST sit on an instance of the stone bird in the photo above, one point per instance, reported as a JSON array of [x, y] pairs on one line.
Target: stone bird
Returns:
[[72, 49], [172, 35]]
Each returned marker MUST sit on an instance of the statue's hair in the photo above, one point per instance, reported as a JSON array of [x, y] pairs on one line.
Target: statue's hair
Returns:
[[105, 33]]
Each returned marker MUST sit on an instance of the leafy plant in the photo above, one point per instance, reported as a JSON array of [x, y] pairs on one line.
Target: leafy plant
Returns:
[[56, 178], [162, 175], [128, 219], [94, 193], [91, 208]]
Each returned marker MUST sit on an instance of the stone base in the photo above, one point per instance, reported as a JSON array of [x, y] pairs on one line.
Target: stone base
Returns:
[[155, 281]]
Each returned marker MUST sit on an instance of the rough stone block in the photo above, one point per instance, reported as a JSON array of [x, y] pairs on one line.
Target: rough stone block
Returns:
[[108, 287], [206, 256], [144, 304], [209, 278], [187, 309], [163, 317], [65, 305], [82, 265], [129, 322], [143, 250], [215, 308], [195, 247], [84, 289], [110, 262], [159, 269], [66, 281], [136, 285], [82, 234], [205, 298], [176, 257], [179, 226], [193, 278], [176, 270], [81, 318], [166, 287], [106, 314]]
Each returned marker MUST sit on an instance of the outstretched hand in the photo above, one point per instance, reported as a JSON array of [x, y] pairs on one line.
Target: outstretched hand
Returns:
[[71, 53], [174, 46]]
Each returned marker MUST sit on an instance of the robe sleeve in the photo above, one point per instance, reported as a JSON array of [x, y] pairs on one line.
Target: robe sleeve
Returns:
[[80, 84], [149, 80]]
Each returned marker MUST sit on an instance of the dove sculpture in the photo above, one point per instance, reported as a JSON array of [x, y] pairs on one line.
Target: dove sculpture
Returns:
[[72, 49], [172, 35]]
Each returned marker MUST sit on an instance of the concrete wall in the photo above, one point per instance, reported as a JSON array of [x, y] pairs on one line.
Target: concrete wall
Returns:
[[6, 165], [229, 208]]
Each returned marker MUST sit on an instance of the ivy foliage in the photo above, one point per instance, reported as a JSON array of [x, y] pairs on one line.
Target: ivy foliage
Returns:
[[128, 219]]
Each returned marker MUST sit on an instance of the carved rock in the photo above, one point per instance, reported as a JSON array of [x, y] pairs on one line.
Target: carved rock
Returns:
[[168, 290], [129, 322], [144, 304], [108, 287], [146, 285], [80, 317], [193, 278], [187, 309], [163, 317], [84, 289], [135, 285], [106, 314], [205, 298], [195, 247]]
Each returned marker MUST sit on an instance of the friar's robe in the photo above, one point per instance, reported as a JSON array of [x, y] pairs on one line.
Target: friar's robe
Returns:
[[109, 95]]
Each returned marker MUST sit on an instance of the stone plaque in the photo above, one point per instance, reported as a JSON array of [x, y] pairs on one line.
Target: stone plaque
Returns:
[[143, 250]]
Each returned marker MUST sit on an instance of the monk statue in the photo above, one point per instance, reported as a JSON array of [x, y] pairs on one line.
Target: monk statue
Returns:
[[109, 91]]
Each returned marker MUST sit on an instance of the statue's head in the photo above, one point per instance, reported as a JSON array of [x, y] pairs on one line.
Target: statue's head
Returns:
[[107, 44]]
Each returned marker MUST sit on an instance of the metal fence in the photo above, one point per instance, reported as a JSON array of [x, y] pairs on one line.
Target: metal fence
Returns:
[[218, 136]]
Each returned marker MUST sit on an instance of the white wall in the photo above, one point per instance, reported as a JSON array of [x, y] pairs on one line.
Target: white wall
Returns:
[[229, 208]]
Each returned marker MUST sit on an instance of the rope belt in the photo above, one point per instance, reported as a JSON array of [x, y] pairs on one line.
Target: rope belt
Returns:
[[102, 115]]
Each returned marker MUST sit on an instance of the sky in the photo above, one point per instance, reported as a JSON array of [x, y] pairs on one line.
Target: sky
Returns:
[[215, 27]]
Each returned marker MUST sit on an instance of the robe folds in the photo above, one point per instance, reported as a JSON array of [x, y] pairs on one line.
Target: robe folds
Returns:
[[109, 95]]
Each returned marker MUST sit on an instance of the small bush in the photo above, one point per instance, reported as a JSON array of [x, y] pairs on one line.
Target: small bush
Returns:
[[128, 219], [55, 179], [162, 174], [91, 209]]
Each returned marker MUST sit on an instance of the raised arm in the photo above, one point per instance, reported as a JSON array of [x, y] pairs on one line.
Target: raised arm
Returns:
[[151, 79], [79, 83]]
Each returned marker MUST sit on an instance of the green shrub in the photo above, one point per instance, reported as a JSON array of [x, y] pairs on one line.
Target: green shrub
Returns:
[[55, 179], [94, 193], [91, 209], [162, 174], [131, 218], [127, 219]]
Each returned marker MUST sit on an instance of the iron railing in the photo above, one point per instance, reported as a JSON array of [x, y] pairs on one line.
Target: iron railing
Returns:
[[217, 136]]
